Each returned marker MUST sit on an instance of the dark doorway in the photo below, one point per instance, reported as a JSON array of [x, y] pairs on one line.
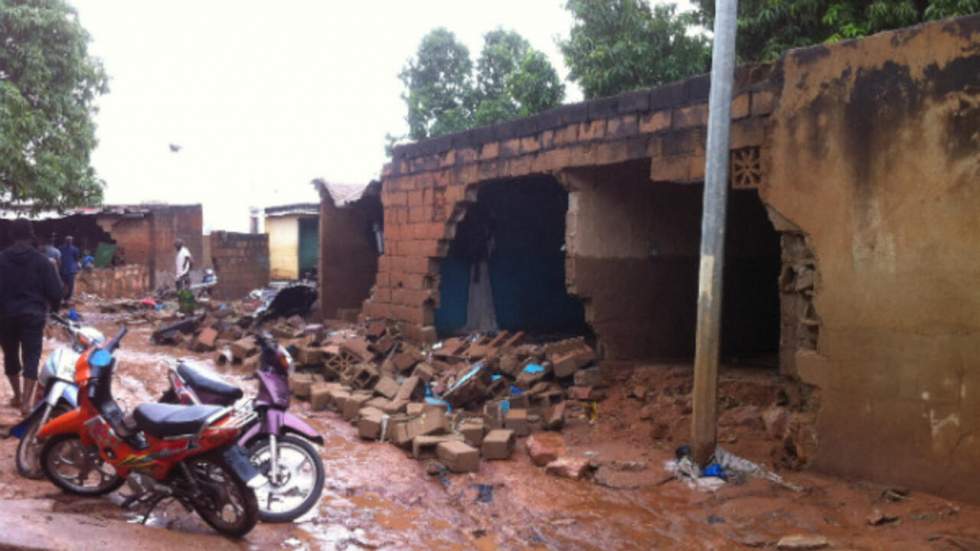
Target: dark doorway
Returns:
[[517, 228]]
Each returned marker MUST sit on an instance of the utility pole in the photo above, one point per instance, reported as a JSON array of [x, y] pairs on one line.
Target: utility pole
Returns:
[[706, 348]]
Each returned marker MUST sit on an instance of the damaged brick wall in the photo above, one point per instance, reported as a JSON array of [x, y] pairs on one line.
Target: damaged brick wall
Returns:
[[873, 159], [428, 185], [129, 281], [348, 252], [241, 262]]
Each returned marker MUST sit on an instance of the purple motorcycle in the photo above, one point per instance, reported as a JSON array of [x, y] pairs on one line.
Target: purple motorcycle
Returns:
[[278, 442]]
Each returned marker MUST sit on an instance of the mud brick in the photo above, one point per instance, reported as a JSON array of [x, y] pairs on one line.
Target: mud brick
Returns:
[[336, 398], [432, 421], [513, 340], [400, 431], [527, 379], [588, 377], [379, 403], [521, 401], [510, 364], [358, 348], [206, 339], [458, 456], [500, 339], [309, 356], [404, 361], [320, 395], [369, 421], [300, 383], [472, 430], [492, 416], [470, 388], [364, 375], [568, 467], [479, 352], [451, 348], [516, 420], [354, 403], [243, 348], [383, 346], [414, 408], [411, 389], [555, 418], [566, 364], [392, 407], [387, 387], [424, 446], [586, 393], [376, 329], [498, 444], [424, 372]]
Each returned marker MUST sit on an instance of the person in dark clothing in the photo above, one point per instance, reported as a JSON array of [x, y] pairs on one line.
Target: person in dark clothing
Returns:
[[29, 287], [69, 266]]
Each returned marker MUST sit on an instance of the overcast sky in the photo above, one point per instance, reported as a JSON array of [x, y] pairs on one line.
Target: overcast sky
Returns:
[[262, 97]]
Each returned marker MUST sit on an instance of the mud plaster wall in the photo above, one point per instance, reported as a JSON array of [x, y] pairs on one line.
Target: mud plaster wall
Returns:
[[128, 281], [874, 155]]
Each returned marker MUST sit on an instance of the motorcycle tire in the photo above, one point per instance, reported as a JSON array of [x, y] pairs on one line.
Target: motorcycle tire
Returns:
[[46, 465], [250, 508], [33, 472], [256, 447]]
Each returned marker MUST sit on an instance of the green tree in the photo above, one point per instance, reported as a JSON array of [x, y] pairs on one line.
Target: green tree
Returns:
[[621, 45], [444, 95], [439, 88], [767, 28], [48, 87]]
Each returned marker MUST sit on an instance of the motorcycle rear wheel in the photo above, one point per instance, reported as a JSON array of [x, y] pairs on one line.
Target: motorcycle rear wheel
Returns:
[[67, 450], [229, 505], [28, 458]]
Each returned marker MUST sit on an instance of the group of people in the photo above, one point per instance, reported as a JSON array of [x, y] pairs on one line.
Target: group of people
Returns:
[[34, 280]]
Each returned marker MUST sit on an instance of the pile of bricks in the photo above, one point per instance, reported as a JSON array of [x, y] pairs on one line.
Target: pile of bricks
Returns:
[[457, 401]]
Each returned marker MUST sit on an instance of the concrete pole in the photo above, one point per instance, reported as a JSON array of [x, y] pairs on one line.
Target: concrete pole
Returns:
[[706, 348]]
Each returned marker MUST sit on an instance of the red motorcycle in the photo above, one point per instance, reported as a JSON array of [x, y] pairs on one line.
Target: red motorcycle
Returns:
[[186, 453]]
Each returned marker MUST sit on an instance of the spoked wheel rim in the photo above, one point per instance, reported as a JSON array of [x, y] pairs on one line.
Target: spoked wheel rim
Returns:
[[296, 478], [223, 503], [78, 468]]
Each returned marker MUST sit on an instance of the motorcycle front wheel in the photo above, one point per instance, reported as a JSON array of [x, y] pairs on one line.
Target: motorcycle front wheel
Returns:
[[225, 502], [28, 458], [298, 482], [77, 469]]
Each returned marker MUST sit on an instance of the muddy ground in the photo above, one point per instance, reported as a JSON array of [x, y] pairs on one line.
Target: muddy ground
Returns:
[[378, 497]]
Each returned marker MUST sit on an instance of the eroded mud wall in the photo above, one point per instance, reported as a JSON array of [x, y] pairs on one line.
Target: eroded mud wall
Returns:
[[348, 253], [874, 156]]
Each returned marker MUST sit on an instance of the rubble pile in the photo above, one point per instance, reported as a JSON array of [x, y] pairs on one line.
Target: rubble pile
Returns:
[[457, 401]]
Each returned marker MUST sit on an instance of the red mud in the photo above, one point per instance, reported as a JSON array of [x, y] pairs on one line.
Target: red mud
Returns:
[[378, 497]]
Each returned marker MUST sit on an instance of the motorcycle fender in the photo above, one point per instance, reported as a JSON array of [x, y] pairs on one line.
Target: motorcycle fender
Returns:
[[72, 422], [280, 422], [20, 429], [62, 391]]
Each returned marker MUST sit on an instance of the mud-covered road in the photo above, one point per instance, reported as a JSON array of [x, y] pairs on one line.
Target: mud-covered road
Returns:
[[377, 497]]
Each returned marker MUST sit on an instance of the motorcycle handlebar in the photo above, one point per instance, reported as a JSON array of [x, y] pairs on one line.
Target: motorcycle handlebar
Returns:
[[112, 345]]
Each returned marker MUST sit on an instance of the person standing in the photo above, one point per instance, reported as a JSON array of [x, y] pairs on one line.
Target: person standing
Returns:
[[184, 263], [69, 266], [52, 252], [29, 287]]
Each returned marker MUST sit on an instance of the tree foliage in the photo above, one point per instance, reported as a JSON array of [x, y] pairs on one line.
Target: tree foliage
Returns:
[[620, 45], [445, 95], [767, 28], [48, 87]]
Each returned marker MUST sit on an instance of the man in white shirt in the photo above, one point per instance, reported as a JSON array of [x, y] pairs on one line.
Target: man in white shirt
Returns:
[[184, 263]]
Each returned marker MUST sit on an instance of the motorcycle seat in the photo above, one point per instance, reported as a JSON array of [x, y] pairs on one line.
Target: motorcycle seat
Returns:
[[202, 381], [162, 420]]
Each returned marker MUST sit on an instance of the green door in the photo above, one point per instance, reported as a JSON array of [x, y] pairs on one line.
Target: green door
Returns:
[[309, 245]]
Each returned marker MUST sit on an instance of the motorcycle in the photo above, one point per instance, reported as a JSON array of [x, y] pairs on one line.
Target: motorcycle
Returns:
[[58, 395], [186, 453], [278, 442]]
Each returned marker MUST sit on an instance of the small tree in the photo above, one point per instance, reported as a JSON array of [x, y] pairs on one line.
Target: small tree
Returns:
[[621, 45], [48, 87], [439, 89]]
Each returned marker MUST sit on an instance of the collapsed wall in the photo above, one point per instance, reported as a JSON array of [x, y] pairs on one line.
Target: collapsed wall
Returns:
[[874, 160]]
